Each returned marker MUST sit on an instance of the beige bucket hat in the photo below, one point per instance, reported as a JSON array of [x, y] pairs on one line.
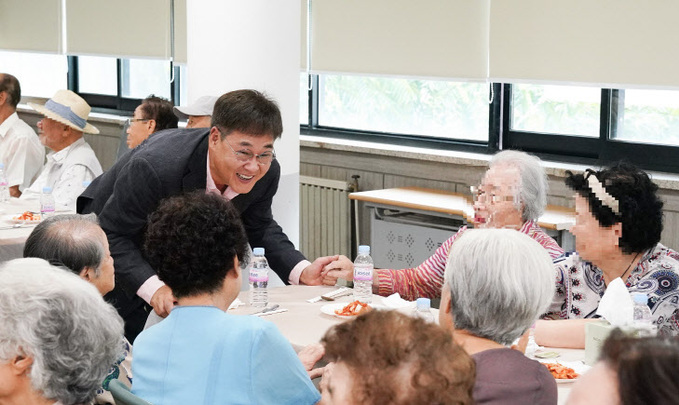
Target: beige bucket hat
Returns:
[[69, 109]]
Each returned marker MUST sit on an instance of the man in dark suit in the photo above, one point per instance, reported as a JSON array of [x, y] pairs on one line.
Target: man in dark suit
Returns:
[[235, 158]]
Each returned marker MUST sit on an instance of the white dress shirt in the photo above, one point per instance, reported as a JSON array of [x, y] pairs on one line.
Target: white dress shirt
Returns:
[[20, 151], [65, 172]]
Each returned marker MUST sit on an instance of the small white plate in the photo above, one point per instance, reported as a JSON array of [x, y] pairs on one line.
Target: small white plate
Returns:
[[577, 366], [566, 380], [13, 219], [329, 309]]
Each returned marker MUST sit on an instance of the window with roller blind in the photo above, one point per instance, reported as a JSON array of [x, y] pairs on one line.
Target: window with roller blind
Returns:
[[420, 76]]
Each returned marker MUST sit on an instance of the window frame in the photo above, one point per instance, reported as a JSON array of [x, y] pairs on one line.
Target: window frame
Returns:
[[413, 140], [117, 103], [600, 151]]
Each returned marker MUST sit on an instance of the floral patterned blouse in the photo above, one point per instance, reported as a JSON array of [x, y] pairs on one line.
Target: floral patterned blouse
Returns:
[[121, 370], [580, 286]]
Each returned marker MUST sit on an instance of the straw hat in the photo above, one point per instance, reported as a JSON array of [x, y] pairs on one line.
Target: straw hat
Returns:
[[202, 106], [69, 109]]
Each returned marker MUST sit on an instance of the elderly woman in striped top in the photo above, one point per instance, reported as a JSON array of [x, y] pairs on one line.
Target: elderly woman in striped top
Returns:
[[512, 194]]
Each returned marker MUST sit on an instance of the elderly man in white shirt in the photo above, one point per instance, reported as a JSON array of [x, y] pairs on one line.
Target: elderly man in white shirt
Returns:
[[71, 160], [20, 149]]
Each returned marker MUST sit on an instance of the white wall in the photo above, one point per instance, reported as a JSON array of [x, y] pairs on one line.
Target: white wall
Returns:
[[236, 44]]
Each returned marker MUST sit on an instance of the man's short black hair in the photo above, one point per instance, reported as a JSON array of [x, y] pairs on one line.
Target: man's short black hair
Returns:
[[161, 110], [10, 84], [249, 112], [640, 207], [191, 241]]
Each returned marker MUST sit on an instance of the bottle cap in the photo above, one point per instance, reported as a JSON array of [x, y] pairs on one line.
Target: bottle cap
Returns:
[[258, 251], [640, 298], [46, 190], [423, 303], [364, 250]]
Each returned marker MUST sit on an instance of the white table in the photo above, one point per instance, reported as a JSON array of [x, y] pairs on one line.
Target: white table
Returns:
[[566, 355], [12, 240], [304, 323]]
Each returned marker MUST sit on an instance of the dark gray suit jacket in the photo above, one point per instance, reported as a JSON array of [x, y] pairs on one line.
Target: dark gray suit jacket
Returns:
[[169, 163]]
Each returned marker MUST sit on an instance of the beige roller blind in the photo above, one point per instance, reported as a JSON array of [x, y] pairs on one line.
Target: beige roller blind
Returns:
[[604, 42], [33, 25], [303, 35], [426, 38], [125, 28], [180, 31]]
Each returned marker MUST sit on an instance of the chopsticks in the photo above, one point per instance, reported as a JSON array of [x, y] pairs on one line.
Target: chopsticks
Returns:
[[340, 292]]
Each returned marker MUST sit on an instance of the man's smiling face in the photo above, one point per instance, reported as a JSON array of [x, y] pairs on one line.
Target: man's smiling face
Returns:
[[227, 169]]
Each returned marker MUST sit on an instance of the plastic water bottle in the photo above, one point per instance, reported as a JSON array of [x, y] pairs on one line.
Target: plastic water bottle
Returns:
[[259, 279], [423, 309], [363, 275], [4, 185], [46, 203], [643, 320]]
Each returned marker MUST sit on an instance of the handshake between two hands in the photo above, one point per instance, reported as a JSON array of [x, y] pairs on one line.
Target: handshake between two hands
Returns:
[[326, 270]]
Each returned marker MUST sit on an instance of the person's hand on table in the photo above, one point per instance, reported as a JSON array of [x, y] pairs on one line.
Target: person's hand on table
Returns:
[[327, 371], [163, 301], [313, 273], [309, 356], [522, 342], [343, 267]]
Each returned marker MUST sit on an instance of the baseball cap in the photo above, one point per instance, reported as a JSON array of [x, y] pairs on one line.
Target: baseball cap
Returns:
[[202, 106]]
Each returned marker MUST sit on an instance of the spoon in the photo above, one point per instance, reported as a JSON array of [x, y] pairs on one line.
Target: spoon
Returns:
[[267, 309], [18, 225]]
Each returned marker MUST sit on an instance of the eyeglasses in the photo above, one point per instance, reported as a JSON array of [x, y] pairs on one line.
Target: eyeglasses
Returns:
[[263, 159], [480, 195], [131, 120]]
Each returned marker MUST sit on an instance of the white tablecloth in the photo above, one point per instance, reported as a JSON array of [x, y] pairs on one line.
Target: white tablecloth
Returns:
[[304, 323], [12, 240]]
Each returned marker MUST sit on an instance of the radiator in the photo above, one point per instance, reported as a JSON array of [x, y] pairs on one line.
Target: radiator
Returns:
[[325, 215]]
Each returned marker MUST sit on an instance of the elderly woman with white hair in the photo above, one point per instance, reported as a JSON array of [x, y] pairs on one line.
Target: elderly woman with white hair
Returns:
[[58, 336], [497, 284], [512, 194], [78, 243]]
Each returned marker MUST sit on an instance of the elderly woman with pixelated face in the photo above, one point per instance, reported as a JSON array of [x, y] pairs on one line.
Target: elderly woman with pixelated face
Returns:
[[47, 312], [617, 232], [512, 194], [497, 283]]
